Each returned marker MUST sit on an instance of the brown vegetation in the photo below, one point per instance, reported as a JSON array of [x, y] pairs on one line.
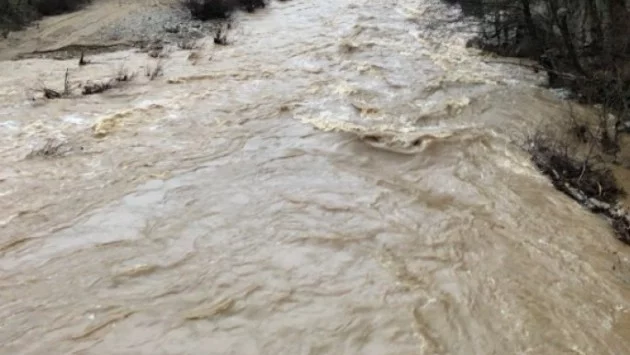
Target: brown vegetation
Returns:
[[586, 180]]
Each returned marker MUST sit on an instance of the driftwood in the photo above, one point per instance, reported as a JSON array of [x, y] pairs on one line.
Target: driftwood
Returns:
[[96, 88], [82, 60], [51, 94]]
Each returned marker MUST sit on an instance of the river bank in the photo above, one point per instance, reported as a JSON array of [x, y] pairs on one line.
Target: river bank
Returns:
[[583, 51], [106, 26]]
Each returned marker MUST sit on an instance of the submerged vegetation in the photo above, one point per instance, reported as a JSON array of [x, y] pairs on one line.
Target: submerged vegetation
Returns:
[[90, 88], [15, 14], [587, 180]]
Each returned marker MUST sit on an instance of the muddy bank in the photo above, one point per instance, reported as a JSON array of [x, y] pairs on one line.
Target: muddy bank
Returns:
[[106, 26], [126, 25]]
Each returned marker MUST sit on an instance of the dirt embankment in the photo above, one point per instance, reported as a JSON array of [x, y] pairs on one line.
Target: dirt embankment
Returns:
[[102, 26]]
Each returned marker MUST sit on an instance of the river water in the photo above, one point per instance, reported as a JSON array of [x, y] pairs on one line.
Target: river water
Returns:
[[342, 179]]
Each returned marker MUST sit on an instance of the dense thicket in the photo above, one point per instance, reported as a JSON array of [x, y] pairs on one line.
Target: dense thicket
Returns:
[[14, 14], [583, 44], [219, 9]]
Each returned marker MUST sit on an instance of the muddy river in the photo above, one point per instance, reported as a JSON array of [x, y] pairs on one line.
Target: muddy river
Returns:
[[342, 178]]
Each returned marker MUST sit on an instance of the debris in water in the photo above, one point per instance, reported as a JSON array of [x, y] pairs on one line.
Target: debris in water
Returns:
[[51, 94], [50, 148], [96, 88], [54, 94], [82, 60], [220, 38]]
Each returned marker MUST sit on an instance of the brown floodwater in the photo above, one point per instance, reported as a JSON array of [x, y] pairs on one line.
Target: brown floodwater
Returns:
[[344, 178]]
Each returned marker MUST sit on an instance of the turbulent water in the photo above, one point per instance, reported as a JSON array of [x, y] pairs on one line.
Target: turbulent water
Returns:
[[341, 179]]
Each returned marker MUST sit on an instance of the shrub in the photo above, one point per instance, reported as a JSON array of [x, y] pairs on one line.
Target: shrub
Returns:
[[56, 7], [205, 10], [15, 14], [586, 180], [210, 9]]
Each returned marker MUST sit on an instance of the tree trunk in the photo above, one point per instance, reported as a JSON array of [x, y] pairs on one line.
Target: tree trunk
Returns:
[[596, 30], [618, 28], [529, 22]]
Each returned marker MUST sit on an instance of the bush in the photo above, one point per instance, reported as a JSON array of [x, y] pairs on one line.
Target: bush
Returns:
[[15, 14], [205, 10], [586, 180], [56, 7], [210, 9]]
